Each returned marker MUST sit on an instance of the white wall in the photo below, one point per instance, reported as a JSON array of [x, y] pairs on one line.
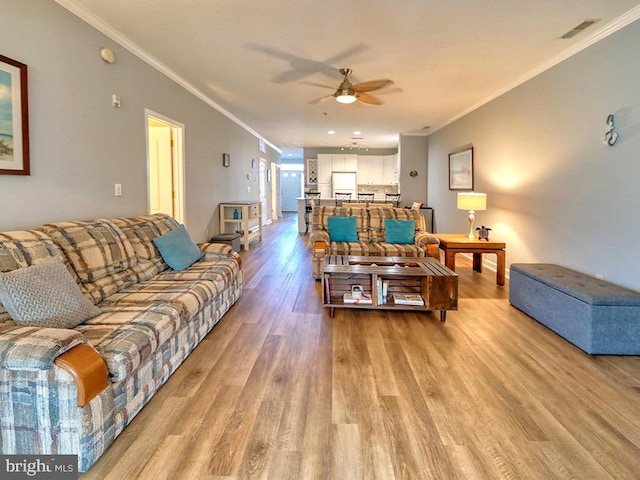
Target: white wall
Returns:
[[81, 146], [556, 193]]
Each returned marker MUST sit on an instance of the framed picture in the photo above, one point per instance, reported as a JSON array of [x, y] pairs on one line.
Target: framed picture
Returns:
[[14, 118], [226, 161], [461, 170]]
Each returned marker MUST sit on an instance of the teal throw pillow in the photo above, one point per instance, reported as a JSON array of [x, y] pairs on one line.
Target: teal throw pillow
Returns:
[[177, 248], [342, 229], [399, 231], [45, 295]]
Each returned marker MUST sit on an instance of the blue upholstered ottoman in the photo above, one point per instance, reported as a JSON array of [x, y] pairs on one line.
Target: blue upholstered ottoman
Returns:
[[594, 315]]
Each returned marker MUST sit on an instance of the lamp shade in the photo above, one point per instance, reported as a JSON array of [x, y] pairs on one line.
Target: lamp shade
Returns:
[[472, 201]]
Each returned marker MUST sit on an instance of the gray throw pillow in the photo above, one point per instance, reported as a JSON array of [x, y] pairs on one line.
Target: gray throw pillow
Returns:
[[45, 295]]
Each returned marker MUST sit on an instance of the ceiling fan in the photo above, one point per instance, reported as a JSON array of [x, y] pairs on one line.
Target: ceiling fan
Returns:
[[347, 92]]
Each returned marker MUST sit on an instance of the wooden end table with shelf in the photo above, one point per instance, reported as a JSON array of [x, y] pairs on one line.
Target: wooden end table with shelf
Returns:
[[453, 243], [424, 276], [248, 221]]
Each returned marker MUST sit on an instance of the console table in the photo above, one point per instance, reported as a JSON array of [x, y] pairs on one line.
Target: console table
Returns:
[[246, 216], [453, 243]]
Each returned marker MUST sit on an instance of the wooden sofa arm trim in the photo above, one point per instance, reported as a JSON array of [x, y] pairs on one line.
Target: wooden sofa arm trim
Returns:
[[319, 249], [88, 370], [236, 256], [433, 250]]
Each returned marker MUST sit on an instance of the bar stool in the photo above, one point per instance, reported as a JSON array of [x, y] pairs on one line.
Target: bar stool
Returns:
[[393, 198], [310, 198], [341, 198]]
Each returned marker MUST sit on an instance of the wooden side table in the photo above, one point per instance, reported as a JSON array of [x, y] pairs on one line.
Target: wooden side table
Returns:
[[248, 219], [453, 243]]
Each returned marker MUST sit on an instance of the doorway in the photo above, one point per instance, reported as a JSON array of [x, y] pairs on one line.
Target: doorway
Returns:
[[291, 185], [165, 165]]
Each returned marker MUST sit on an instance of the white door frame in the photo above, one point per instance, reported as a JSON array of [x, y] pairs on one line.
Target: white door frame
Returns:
[[264, 191], [178, 154]]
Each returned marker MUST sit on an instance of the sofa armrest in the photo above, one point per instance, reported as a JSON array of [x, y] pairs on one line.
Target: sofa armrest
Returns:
[[32, 348], [214, 251], [425, 238], [88, 370], [217, 251], [429, 242], [319, 236]]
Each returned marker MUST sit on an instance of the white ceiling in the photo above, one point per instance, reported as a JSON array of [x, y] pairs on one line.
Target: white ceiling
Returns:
[[249, 57]]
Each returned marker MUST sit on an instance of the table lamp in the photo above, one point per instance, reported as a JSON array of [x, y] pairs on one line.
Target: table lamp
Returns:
[[472, 201]]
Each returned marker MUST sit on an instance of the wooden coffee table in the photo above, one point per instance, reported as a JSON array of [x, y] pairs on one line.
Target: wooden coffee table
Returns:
[[426, 277], [454, 243]]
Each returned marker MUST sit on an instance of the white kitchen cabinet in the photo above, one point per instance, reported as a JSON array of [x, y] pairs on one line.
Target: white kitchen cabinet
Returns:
[[324, 168], [344, 162], [351, 163], [390, 169], [370, 170]]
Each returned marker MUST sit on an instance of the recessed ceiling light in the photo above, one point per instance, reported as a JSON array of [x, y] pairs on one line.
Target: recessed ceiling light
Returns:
[[331, 132], [357, 132]]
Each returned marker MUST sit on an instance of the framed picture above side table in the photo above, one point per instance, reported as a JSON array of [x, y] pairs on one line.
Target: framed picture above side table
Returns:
[[461, 170]]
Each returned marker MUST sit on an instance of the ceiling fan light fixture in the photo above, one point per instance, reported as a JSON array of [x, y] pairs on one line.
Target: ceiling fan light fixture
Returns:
[[347, 95]]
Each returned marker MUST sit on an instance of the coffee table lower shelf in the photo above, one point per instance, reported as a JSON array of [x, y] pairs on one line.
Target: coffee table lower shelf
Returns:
[[435, 284]]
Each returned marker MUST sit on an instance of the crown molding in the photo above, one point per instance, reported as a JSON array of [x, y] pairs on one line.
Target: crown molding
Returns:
[[608, 29], [123, 41]]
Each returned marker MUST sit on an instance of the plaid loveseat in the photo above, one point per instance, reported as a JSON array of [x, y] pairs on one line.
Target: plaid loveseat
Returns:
[[370, 227], [151, 318]]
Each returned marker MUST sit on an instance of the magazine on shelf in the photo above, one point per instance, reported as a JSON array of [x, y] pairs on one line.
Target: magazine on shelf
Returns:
[[407, 299], [364, 300]]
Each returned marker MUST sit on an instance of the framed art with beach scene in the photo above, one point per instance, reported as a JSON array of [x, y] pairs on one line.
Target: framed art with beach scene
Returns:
[[14, 118], [461, 170]]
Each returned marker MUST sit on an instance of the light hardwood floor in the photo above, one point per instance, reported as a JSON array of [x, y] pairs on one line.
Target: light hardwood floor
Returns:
[[279, 390]]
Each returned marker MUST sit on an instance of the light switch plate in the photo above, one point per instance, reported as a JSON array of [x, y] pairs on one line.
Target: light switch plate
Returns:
[[118, 189]]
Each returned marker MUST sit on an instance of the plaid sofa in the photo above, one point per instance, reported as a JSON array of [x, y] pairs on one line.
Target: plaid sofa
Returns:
[[151, 318], [371, 234]]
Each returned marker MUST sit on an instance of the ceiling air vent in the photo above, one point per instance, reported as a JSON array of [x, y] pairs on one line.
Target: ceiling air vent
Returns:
[[577, 29]]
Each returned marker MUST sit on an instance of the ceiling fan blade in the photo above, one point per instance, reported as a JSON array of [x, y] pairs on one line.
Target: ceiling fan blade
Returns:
[[372, 85], [368, 99], [313, 84], [321, 99]]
